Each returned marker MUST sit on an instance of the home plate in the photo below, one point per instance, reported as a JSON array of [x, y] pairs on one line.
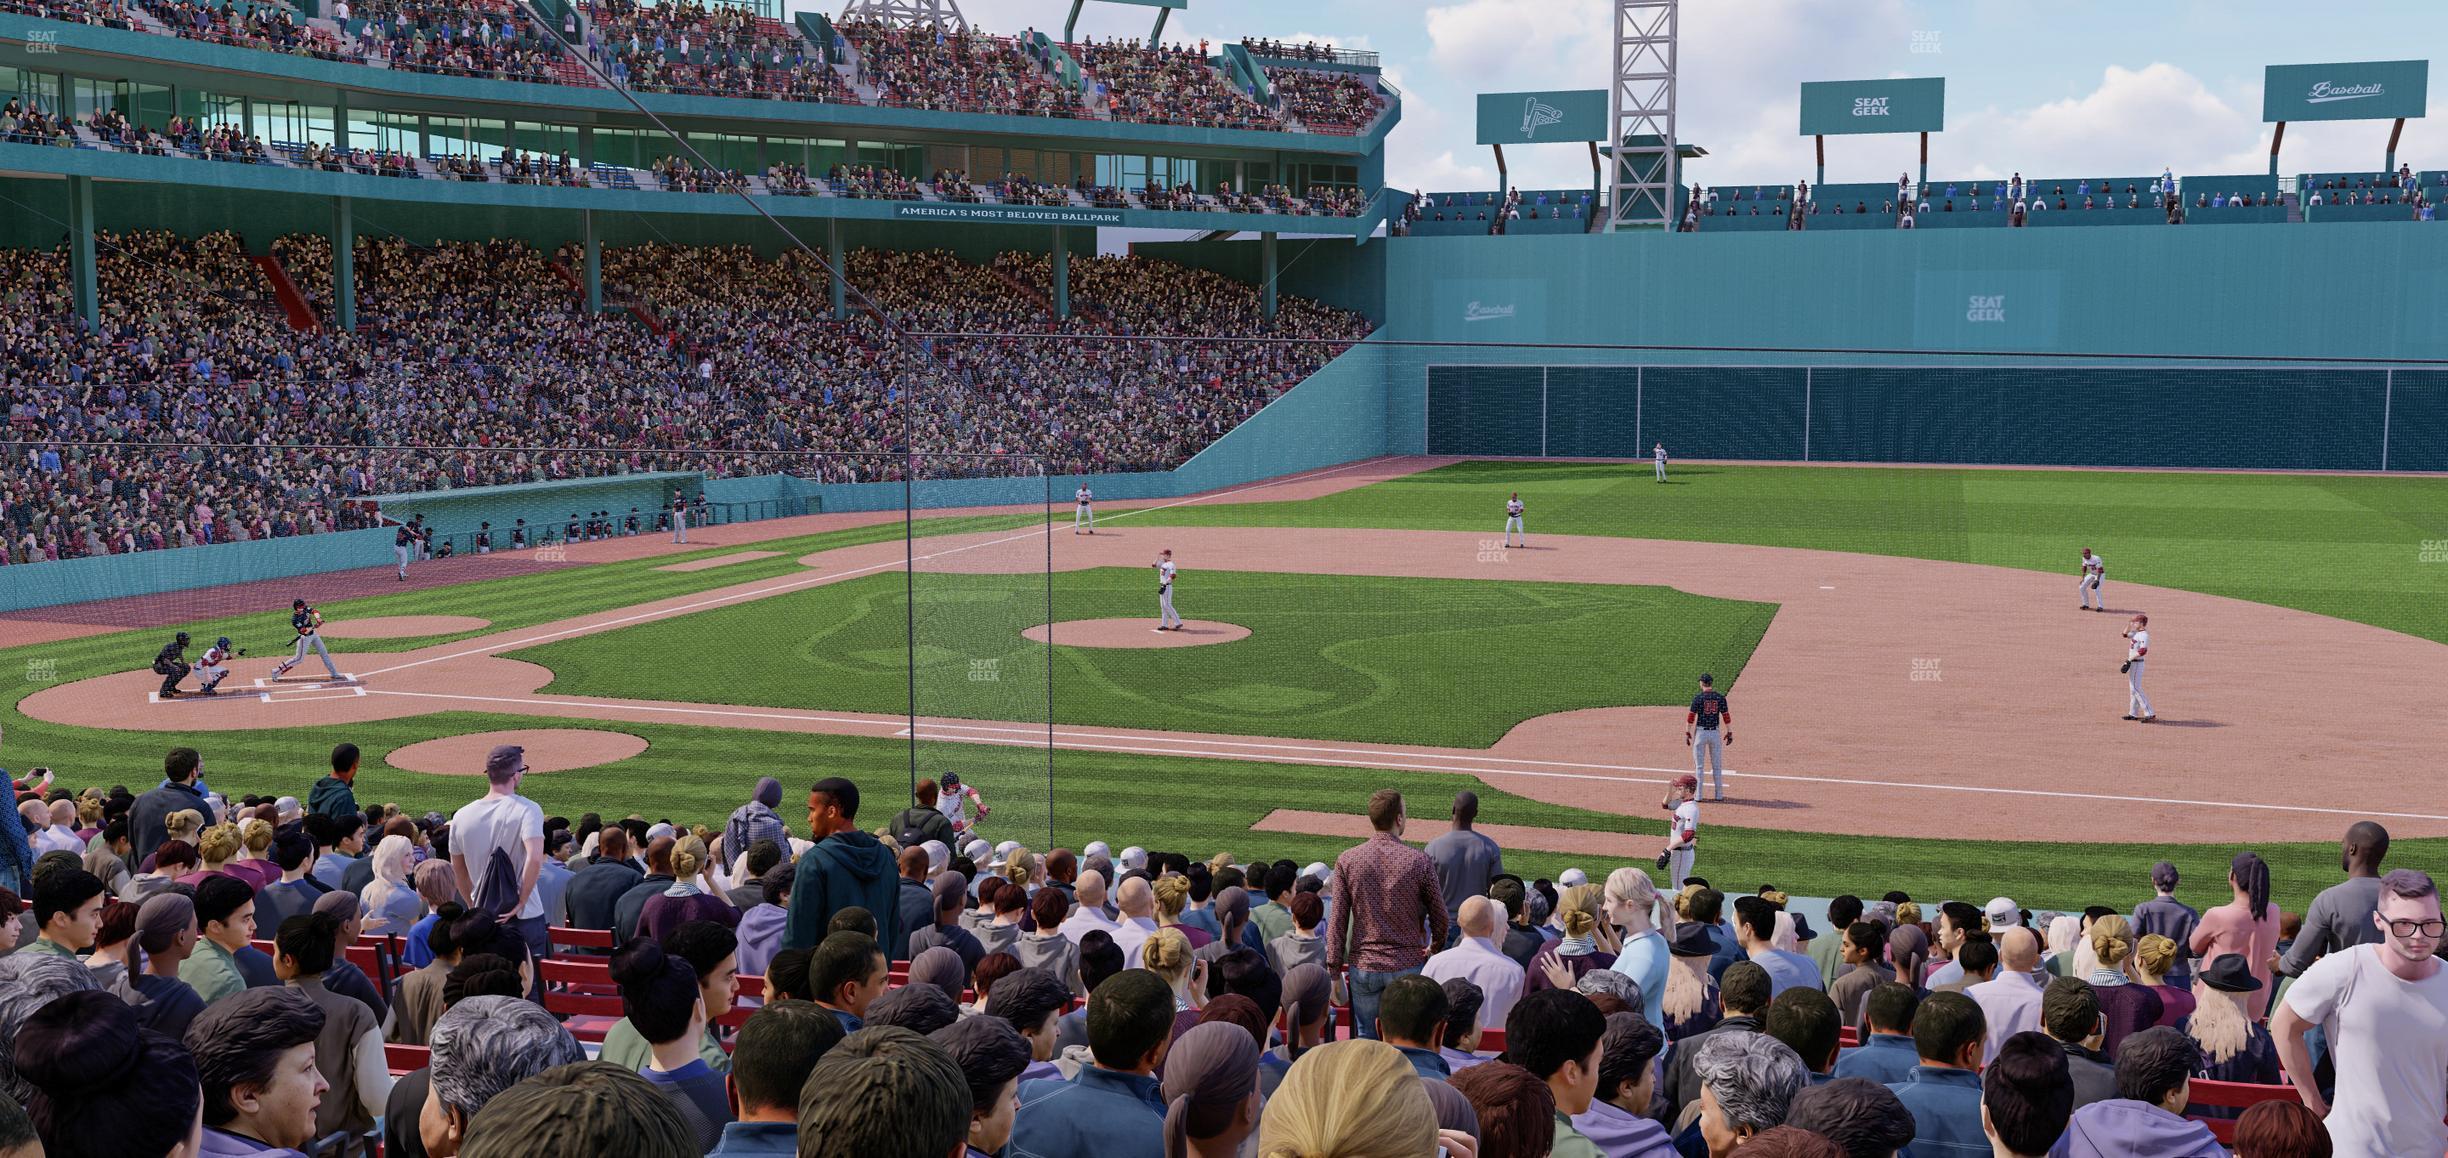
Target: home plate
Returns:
[[306, 683]]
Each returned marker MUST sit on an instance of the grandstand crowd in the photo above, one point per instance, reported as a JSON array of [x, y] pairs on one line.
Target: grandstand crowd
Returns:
[[463, 348], [318, 975]]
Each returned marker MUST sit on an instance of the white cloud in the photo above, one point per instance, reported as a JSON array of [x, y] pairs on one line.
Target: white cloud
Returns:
[[1494, 44]]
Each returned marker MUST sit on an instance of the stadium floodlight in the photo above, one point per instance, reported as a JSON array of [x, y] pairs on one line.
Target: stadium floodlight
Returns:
[[1641, 190], [944, 14]]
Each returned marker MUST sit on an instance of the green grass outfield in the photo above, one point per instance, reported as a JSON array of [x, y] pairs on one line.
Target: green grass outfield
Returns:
[[2339, 546], [1447, 662], [2352, 547]]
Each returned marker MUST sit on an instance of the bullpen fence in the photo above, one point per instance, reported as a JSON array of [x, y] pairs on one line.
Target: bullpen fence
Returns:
[[2262, 417]]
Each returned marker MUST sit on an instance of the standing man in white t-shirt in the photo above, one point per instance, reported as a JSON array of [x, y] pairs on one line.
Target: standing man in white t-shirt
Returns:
[[1682, 830], [2094, 573], [1171, 620], [1513, 522], [2384, 1009], [503, 821], [2137, 649], [1085, 514]]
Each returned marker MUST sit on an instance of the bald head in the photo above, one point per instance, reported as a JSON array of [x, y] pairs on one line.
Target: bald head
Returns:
[[1091, 889], [2366, 846], [1135, 898], [1480, 917], [2019, 950]]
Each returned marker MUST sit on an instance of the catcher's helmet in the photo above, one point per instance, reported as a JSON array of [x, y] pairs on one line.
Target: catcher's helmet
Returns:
[[294, 604], [223, 643], [182, 637]]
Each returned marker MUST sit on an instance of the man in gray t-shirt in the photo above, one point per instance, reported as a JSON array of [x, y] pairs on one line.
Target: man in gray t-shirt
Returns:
[[2341, 916], [1465, 860]]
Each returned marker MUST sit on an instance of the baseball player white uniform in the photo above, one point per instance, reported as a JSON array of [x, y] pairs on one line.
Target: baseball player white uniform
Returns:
[[2094, 573], [1684, 830], [2137, 703], [1660, 455], [215, 667], [1171, 620], [679, 518], [1084, 516], [1513, 522]]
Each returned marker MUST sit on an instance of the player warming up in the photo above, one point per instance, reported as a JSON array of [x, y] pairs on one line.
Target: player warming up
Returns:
[[1659, 453], [679, 517], [170, 663], [404, 548], [1171, 621], [2137, 648], [2094, 573], [308, 623], [955, 800], [1682, 830], [215, 667], [1513, 523], [1702, 730], [1085, 514]]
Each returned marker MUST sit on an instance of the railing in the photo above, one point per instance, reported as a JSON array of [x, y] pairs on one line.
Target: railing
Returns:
[[1320, 54]]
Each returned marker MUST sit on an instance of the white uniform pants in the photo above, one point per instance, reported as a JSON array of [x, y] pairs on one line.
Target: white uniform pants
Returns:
[[2089, 586], [1164, 599], [1708, 760], [1661, 470], [679, 522], [1083, 516], [1513, 526], [403, 554], [2136, 702], [1679, 866], [312, 642]]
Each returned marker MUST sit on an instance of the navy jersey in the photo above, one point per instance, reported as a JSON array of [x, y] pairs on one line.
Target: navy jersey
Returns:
[[1709, 706], [302, 620]]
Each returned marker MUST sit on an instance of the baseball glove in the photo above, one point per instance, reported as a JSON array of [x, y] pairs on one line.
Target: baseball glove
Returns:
[[1662, 858], [2125, 667]]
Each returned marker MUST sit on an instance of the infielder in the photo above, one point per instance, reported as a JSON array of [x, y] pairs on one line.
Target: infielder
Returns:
[[1702, 730], [2137, 704], [1682, 830], [679, 517], [1513, 523], [2094, 572], [403, 548], [1171, 621], [306, 621], [1659, 453], [215, 667], [170, 663], [1085, 514]]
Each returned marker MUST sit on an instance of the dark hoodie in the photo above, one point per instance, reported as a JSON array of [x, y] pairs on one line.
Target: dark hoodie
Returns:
[[332, 796], [2128, 1129], [844, 870]]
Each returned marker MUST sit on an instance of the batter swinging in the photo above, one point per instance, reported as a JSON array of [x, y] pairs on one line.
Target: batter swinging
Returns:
[[306, 621]]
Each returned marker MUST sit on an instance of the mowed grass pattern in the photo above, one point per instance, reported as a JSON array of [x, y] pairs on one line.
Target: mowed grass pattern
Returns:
[[2370, 549], [1329, 657]]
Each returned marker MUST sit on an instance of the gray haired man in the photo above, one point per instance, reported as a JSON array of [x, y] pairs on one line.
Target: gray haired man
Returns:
[[1747, 1083], [483, 1046]]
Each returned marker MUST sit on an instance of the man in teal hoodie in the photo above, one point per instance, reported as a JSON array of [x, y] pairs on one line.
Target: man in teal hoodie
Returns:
[[846, 869], [335, 795]]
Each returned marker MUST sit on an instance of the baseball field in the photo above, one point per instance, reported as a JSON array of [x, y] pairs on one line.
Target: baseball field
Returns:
[[1902, 648]]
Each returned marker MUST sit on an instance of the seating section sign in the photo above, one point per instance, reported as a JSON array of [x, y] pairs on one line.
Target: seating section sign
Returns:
[[2370, 90], [1903, 105], [1537, 118]]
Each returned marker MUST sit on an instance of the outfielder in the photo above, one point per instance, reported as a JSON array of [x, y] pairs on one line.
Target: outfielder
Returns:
[[679, 517], [1085, 514], [1659, 453], [215, 667], [171, 664], [306, 621], [2137, 704], [1171, 621], [2094, 572], [1513, 523]]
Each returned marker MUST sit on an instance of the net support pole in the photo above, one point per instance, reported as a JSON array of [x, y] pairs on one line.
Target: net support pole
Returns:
[[344, 264], [2395, 131], [83, 265], [2277, 138], [1820, 141], [833, 254], [593, 273], [1062, 274], [1266, 281]]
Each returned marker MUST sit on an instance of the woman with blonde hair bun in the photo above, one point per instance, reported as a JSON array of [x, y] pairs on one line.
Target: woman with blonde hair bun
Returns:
[[1168, 955], [1588, 943], [1357, 1098], [1172, 896], [2125, 1007], [2154, 955], [685, 899]]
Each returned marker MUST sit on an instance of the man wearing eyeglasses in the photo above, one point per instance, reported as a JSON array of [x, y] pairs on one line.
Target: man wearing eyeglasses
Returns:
[[2384, 1008]]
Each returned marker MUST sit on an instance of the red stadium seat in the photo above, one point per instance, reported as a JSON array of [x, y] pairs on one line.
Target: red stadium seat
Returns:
[[1491, 1041], [2233, 1096], [1848, 1037], [404, 1059], [567, 984], [579, 938]]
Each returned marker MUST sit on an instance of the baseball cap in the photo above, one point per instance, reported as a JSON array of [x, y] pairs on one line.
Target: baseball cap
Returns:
[[1004, 849], [659, 830], [977, 851], [287, 806], [1802, 929], [1687, 780], [1096, 848], [2003, 912], [1570, 877], [1317, 868], [1134, 857], [938, 855], [505, 759]]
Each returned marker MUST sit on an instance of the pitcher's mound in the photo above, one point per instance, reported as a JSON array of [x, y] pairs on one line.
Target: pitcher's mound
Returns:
[[548, 750], [1136, 633], [402, 626]]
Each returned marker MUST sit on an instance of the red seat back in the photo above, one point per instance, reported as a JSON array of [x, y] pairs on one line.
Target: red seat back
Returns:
[[579, 938], [2233, 1096], [403, 1059]]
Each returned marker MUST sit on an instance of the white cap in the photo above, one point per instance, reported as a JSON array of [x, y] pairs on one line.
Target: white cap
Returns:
[[286, 805], [659, 829], [977, 850], [1317, 868], [1570, 877], [1004, 849], [1134, 857], [1096, 848], [938, 855], [2003, 912]]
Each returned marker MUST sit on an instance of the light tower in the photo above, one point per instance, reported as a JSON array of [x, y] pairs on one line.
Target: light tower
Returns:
[[1642, 107], [943, 14]]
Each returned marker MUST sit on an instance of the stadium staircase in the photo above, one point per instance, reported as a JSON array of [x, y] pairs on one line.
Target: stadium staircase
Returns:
[[293, 303], [2294, 207]]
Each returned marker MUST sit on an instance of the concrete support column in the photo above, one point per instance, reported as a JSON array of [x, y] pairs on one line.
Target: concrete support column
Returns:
[[344, 265], [1266, 250], [593, 273], [81, 261], [841, 269], [1062, 275]]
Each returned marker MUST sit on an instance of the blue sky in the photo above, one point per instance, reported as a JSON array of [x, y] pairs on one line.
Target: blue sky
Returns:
[[2067, 86]]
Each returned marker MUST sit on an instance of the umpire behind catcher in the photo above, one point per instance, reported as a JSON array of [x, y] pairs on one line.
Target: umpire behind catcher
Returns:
[[171, 664]]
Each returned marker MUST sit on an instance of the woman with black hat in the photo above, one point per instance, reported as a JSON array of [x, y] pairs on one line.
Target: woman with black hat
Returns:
[[2234, 1047]]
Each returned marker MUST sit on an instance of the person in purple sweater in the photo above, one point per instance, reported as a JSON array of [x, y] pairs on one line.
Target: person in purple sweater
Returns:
[[2125, 1007], [685, 900]]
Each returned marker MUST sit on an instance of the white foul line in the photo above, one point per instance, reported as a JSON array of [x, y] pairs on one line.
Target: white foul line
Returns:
[[806, 581]]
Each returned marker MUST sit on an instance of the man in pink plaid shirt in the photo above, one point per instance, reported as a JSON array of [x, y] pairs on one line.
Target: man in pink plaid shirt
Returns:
[[1387, 914]]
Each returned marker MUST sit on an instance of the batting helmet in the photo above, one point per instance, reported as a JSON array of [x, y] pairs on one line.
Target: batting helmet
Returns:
[[223, 643], [294, 604]]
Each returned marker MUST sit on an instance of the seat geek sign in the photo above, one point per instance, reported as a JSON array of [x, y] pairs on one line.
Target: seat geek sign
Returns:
[[2371, 90], [1905, 105]]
